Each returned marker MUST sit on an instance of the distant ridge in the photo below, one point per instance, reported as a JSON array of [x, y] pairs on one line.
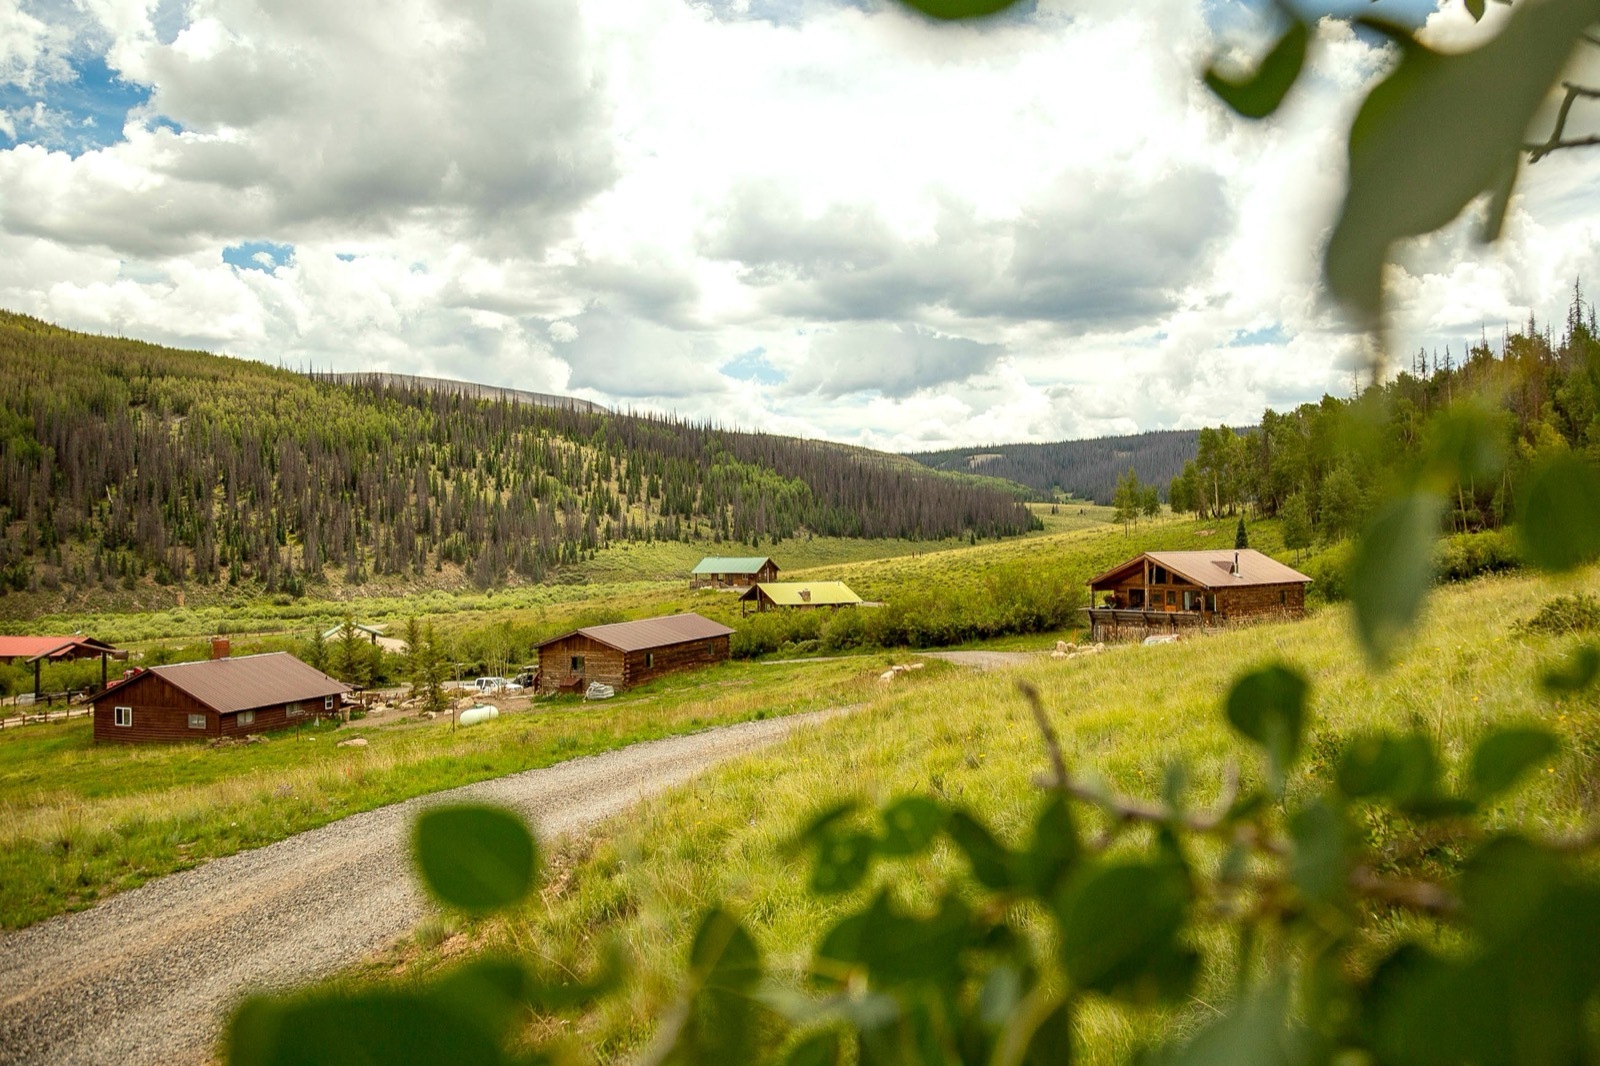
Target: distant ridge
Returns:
[[1087, 469], [470, 389]]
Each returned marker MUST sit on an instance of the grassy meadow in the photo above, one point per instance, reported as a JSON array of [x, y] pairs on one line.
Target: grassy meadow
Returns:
[[79, 821], [1125, 715]]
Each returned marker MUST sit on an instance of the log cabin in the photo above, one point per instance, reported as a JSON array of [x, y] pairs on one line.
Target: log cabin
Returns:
[[772, 595], [1168, 591], [215, 698], [624, 654], [717, 572]]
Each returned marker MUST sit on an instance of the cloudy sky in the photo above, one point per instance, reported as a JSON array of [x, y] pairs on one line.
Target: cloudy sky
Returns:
[[820, 217]]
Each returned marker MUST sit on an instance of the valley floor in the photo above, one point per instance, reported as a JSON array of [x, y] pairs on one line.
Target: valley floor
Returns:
[[149, 976]]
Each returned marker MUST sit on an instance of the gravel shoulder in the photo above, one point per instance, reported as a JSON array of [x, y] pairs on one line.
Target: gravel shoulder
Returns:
[[986, 660], [149, 975]]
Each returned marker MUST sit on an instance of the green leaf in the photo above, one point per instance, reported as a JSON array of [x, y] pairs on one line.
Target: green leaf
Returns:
[[1054, 849], [1558, 517], [1119, 931], [1575, 675], [391, 1027], [822, 823], [725, 967], [1504, 884], [724, 956], [1256, 1030], [478, 859], [897, 948], [910, 825], [1259, 94], [1318, 866], [1505, 755], [1475, 8], [989, 860], [1391, 571], [1403, 769], [1463, 446], [818, 1049], [1438, 132], [950, 10], [1269, 707], [841, 862]]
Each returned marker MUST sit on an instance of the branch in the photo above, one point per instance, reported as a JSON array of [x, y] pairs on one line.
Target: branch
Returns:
[[1537, 152], [1052, 743]]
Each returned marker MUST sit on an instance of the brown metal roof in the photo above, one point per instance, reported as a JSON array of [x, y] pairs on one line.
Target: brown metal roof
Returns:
[[651, 632], [244, 683], [53, 647], [1213, 568]]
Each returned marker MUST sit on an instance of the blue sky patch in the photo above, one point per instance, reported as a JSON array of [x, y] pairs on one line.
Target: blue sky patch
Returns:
[[76, 114], [345, 257], [1273, 334], [264, 256], [753, 366]]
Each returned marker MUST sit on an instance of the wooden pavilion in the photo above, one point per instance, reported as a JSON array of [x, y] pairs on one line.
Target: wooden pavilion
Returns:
[[40, 650]]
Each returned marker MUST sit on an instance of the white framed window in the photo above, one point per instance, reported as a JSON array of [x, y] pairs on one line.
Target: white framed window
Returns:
[[293, 710], [649, 659], [197, 721], [246, 718], [122, 715], [327, 703]]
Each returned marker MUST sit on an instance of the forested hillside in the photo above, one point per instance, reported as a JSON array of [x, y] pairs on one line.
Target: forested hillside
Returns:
[[1087, 469], [121, 460], [1495, 412]]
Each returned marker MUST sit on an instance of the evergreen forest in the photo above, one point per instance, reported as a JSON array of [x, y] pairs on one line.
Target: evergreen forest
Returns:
[[1495, 412], [121, 461], [1086, 469]]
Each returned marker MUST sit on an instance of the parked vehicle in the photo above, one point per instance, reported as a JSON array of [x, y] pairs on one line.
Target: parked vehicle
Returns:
[[489, 684]]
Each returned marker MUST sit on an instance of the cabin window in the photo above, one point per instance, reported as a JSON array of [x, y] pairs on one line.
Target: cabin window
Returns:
[[197, 721], [293, 710], [327, 703], [246, 718], [1191, 601], [1160, 576], [1172, 598], [122, 715], [577, 664], [1211, 603], [1136, 597], [1283, 597], [649, 659]]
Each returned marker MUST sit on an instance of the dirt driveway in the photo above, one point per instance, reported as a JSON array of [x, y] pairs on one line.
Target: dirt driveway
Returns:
[[149, 975]]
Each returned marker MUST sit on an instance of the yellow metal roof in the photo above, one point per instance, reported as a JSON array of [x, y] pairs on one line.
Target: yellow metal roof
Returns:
[[805, 593]]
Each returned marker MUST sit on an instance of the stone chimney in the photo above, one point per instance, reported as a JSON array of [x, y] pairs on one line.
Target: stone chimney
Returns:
[[805, 595]]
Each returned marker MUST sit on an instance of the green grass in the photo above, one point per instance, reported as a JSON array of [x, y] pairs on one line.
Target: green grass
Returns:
[[79, 820], [1125, 715]]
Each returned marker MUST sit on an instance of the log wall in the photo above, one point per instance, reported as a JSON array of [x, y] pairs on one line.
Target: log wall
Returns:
[[161, 714]]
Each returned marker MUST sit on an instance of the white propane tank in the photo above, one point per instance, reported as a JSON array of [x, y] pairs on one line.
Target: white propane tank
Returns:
[[480, 713]]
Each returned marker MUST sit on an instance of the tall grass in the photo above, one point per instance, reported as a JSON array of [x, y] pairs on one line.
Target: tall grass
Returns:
[[1126, 715]]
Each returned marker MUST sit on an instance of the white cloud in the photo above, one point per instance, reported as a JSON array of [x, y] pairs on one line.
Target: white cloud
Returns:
[[1036, 228]]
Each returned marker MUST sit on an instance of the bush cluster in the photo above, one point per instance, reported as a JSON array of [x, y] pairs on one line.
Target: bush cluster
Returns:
[[1015, 600], [1578, 612]]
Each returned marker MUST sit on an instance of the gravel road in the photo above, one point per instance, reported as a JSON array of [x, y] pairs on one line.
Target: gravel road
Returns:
[[149, 975]]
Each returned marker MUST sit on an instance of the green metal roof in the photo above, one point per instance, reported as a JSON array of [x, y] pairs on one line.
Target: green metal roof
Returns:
[[805, 593], [716, 564]]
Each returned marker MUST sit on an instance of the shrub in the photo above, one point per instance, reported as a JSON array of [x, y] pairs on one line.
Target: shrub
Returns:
[[1575, 613], [1467, 555]]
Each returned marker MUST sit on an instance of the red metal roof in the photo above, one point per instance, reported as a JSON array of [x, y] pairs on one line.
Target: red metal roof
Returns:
[[54, 647], [1213, 568], [651, 632], [244, 683]]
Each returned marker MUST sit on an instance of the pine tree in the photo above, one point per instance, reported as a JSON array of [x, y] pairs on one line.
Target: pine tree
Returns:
[[1240, 538]]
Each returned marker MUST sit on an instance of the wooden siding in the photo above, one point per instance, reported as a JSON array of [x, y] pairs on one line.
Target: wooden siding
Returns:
[[161, 714], [1260, 602], [612, 667], [768, 572]]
